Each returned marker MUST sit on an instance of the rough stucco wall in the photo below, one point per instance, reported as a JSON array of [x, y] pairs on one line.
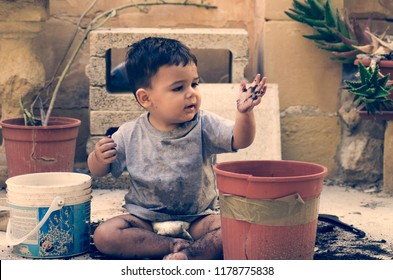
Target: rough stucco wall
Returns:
[[308, 84], [51, 42]]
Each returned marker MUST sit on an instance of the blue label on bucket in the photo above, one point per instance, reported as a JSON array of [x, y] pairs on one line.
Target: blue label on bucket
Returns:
[[65, 233]]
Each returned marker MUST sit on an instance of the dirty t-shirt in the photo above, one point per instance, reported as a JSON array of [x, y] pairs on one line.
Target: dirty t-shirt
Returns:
[[171, 172]]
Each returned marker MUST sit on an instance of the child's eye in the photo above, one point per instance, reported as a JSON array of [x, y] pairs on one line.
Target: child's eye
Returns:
[[194, 85], [178, 88]]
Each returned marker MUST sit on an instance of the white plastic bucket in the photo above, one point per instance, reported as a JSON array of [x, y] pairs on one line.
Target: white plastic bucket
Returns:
[[49, 214]]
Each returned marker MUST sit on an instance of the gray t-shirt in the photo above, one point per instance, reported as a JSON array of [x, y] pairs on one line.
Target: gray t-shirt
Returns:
[[171, 172]]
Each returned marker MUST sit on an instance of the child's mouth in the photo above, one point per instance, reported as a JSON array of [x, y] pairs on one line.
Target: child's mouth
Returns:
[[190, 107]]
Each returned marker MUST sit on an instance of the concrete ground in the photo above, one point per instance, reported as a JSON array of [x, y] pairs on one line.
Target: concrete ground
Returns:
[[367, 210]]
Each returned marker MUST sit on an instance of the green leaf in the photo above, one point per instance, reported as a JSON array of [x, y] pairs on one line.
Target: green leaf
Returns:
[[360, 91], [384, 80], [364, 74], [314, 37], [342, 25], [317, 9], [314, 22], [374, 75], [300, 13], [335, 47], [382, 92], [302, 7], [329, 15], [326, 32], [353, 84], [295, 17]]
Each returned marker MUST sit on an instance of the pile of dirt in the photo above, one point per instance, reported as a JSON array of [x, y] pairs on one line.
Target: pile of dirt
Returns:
[[335, 243]]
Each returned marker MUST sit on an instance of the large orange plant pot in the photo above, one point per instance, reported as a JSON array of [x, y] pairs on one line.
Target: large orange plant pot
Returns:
[[269, 209]]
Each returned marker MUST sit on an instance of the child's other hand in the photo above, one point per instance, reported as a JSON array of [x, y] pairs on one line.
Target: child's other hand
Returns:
[[251, 97], [105, 151]]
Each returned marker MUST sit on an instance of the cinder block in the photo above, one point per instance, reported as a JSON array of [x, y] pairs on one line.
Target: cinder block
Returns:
[[96, 71], [235, 40], [102, 100], [101, 121]]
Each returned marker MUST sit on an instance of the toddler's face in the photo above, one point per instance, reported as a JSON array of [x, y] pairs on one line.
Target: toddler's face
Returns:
[[174, 96]]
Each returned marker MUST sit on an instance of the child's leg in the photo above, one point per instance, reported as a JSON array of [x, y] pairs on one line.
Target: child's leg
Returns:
[[127, 236], [208, 243]]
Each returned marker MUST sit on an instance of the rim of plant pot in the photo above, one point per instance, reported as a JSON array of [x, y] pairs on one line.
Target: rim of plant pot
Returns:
[[385, 66], [380, 116], [54, 123], [32, 149]]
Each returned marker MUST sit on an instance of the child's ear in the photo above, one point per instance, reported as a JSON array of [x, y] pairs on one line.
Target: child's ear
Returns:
[[143, 97]]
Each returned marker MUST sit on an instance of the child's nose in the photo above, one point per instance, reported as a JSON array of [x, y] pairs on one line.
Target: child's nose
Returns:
[[191, 92]]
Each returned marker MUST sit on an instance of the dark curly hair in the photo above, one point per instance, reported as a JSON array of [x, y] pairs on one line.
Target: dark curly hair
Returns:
[[146, 56]]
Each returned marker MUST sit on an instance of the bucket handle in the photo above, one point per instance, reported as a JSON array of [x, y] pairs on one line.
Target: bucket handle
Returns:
[[57, 204]]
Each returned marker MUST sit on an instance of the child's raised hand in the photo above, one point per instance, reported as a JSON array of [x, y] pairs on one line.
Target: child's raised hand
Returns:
[[105, 151], [250, 97]]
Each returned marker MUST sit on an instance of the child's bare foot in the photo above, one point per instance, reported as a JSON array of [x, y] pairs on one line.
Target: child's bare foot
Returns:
[[176, 256], [177, 246]]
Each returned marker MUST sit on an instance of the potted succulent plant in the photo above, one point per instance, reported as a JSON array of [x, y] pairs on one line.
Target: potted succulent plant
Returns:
[[352, 44], [371, 92], [374, 93], [45, 143]]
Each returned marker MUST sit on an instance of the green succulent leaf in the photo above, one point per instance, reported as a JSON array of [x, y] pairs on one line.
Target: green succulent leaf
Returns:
[[374, 75], [302, 7], [353, 84], [298, 12], [362, 91], [315, 37], [326, 32], [364, 74], [295, 17], [384, 80], [329, 15], [343, 25], [382, 92], [336, 47], [314, 22], [317, 9], [350, 42]]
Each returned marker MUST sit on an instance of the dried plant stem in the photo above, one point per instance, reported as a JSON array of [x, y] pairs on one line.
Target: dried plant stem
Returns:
[[95, 23]]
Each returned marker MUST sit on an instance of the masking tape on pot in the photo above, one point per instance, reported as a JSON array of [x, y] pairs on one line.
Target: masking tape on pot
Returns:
[[285, 211]]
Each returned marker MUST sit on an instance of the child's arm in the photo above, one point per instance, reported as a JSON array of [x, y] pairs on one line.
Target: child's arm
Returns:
[[103, 155], [244, 130]]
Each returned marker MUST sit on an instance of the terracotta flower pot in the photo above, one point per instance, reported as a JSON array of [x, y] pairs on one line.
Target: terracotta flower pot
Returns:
[[385, 66], [33, 149], [269, 209]]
